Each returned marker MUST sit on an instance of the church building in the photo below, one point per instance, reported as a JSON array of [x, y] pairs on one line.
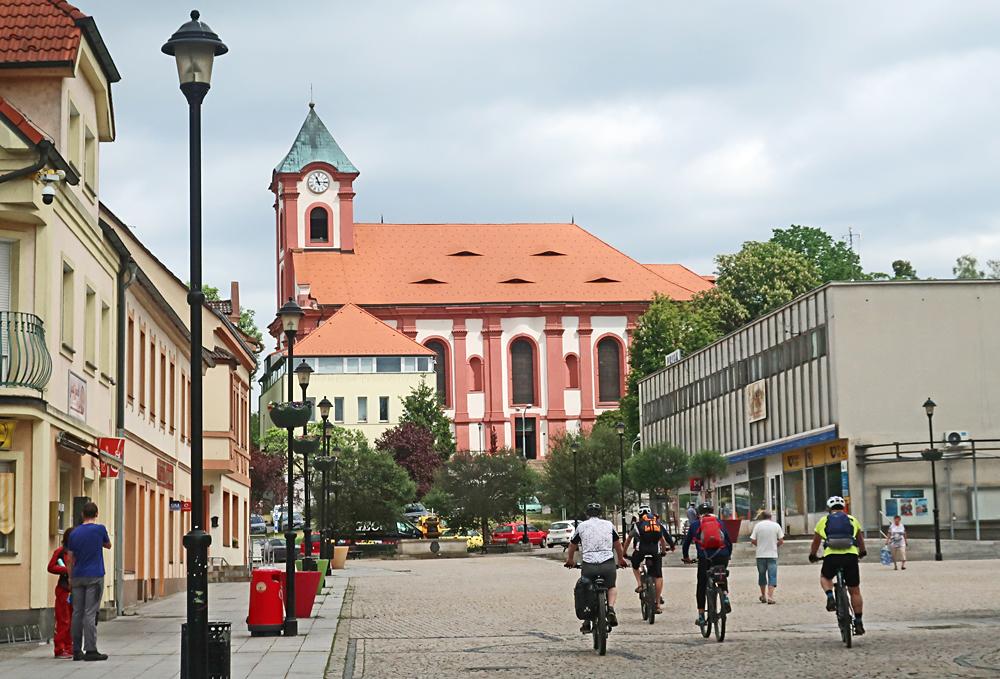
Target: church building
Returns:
[[529, 324]]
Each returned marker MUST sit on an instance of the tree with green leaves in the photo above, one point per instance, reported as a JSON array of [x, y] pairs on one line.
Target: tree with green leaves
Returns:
[[372, 489], [833, 259], [763, 276], [707, 465], [967, 268], [596, 456], [471, 490], [657, 467], [275, 440], [666, 326], [607, 491], [902, 270], [422, 408]]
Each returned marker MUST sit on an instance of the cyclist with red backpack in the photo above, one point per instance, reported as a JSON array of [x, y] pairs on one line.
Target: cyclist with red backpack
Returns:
[[714, 547], [843, 544]]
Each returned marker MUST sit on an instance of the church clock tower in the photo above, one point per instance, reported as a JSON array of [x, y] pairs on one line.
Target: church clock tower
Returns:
[[314, 200]]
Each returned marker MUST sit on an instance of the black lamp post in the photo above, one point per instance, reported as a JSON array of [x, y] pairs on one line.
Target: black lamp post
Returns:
[[324, 522], [575, 448], [194, 47], [302, 373], [933, 454], [620, 428], [335, 454], [524, 453], [290, 314]]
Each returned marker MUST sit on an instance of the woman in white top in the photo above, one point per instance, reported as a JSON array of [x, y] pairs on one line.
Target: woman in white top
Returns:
[[897, 542]]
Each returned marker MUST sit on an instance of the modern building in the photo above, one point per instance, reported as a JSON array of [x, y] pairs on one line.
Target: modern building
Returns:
[[156, 397], [529, 323], [360, 364], [810, 401]]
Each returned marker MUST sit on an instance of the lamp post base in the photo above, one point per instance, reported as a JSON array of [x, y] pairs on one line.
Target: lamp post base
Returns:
[[196, 543], [290, 628]]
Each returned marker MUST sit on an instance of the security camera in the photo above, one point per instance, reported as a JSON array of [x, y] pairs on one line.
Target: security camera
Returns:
[[48, 193]]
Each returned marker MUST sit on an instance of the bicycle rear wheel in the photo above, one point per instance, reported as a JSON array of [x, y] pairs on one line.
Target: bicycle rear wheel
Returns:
[[844, 615], [601, 624], [649, 592], [720, 619], [710, 612]]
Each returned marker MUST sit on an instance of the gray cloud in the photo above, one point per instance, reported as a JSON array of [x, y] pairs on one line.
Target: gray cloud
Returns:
[[674, 132]]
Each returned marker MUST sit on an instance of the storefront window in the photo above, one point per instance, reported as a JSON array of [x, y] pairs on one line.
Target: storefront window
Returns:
[[823, 482], [724, 506], [742, 492], [757, 497]]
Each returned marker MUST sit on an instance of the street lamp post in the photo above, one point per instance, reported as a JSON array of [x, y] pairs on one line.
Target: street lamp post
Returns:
[[303, 372], [290, 315], [524, 454], [620, 428], [194, 47], [933, 455], [324, 523], [575, 448], [335, 453]]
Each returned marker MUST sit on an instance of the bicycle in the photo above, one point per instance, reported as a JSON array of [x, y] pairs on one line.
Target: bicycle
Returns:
[[715, 609], [599, 627], [845, 612], [648, 600]]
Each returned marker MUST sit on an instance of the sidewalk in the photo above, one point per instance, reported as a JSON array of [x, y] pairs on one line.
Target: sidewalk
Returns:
[[147, 644]]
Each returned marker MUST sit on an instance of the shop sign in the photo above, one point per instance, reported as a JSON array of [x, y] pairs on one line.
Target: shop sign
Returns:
[[756, 399], [794, 460], [695, 485], [77, 396], [115, 447], [175, 505], [185, 505], [165, 474], [7, 428]]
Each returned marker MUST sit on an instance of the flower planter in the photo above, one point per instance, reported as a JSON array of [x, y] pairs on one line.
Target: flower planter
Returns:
[[305, 445], [289, 415]]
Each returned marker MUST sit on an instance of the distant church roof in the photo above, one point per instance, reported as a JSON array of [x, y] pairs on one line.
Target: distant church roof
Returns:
[[315, 143]]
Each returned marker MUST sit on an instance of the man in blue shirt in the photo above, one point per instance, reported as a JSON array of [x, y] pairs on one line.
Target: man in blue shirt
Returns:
[[86, 579], [714, 549]]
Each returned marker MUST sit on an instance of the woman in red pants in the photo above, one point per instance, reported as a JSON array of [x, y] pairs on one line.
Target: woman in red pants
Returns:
[[61, 636]]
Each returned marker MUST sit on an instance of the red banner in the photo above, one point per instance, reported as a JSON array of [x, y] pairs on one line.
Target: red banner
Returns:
[[695, 485], [115, 447]]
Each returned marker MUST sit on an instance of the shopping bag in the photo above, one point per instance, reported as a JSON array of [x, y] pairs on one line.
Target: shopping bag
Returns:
[[885, 556]]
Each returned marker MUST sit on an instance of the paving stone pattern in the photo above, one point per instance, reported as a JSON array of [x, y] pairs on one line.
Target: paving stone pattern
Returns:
[[511, 615]]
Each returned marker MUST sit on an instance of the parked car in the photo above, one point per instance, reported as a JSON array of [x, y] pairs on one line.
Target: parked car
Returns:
[[274, 550], [378, 533], [415, 511], [532, 506], [297, 521], [257, 525], [513, 532], [560, 533]]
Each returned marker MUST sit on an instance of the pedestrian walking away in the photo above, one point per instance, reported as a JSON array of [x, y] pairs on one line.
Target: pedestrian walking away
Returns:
[[86, 580], [897, 542], [62, 636], [767, 537]]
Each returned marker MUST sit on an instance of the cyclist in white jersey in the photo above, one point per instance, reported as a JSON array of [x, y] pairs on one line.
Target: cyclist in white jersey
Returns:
[[599, 546]]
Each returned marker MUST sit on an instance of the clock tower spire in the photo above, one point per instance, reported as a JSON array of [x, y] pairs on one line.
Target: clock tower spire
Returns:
[[314, 199]]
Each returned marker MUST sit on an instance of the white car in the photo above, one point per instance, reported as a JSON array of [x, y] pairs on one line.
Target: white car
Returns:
[[560, 532]]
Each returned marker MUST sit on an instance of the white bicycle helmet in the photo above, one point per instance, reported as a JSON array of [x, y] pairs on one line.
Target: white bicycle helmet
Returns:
[[835, 501], [644, 509]]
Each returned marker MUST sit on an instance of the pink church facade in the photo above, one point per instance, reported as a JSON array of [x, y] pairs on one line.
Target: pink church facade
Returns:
[[531, 323]]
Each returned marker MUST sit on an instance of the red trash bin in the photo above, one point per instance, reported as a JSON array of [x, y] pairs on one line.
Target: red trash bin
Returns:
[[306, 586], [267, 602]]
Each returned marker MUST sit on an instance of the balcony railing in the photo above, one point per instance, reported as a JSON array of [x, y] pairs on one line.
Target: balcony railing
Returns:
[[24, 358]]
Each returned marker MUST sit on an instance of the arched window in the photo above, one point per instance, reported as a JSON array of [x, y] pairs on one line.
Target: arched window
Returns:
[[572, 371], [609, 370], [319, 225], [476, 373], [522, 371], [440, 369]]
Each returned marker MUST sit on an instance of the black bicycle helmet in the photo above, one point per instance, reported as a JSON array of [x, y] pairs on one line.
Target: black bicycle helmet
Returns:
[[594, 509], [705, 508]]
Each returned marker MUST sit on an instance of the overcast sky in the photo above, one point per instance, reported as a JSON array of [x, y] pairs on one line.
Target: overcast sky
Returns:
[[675, 132]]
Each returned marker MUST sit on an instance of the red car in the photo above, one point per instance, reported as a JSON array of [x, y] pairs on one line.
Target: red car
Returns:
[[513, 532]]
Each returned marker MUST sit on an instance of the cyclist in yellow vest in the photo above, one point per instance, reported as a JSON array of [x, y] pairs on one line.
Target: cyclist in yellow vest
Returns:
[[843, 544]]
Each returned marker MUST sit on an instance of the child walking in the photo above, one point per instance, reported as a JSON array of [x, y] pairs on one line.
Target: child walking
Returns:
[[62, 637]]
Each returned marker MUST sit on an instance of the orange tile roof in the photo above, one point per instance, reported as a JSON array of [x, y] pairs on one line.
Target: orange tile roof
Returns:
[[352, 331], [39, 32], [682, 276], [19, 121], [478, 263]]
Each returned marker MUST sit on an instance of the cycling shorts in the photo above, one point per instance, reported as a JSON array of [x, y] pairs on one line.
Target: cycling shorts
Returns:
[[655, 565], [848, 563]]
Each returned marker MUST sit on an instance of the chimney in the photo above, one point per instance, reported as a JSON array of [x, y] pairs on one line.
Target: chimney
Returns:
[[234, 301]]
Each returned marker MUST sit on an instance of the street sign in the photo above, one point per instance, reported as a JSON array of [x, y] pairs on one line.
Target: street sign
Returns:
[[115, 447]]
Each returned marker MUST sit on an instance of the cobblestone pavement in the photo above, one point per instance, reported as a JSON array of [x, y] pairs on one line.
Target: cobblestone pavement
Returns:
[[511, 615]]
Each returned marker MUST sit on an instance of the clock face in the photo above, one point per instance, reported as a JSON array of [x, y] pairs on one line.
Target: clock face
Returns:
[[318, 182]]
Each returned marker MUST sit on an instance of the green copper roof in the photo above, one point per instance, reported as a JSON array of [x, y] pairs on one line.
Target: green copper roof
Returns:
[[315, 143]]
